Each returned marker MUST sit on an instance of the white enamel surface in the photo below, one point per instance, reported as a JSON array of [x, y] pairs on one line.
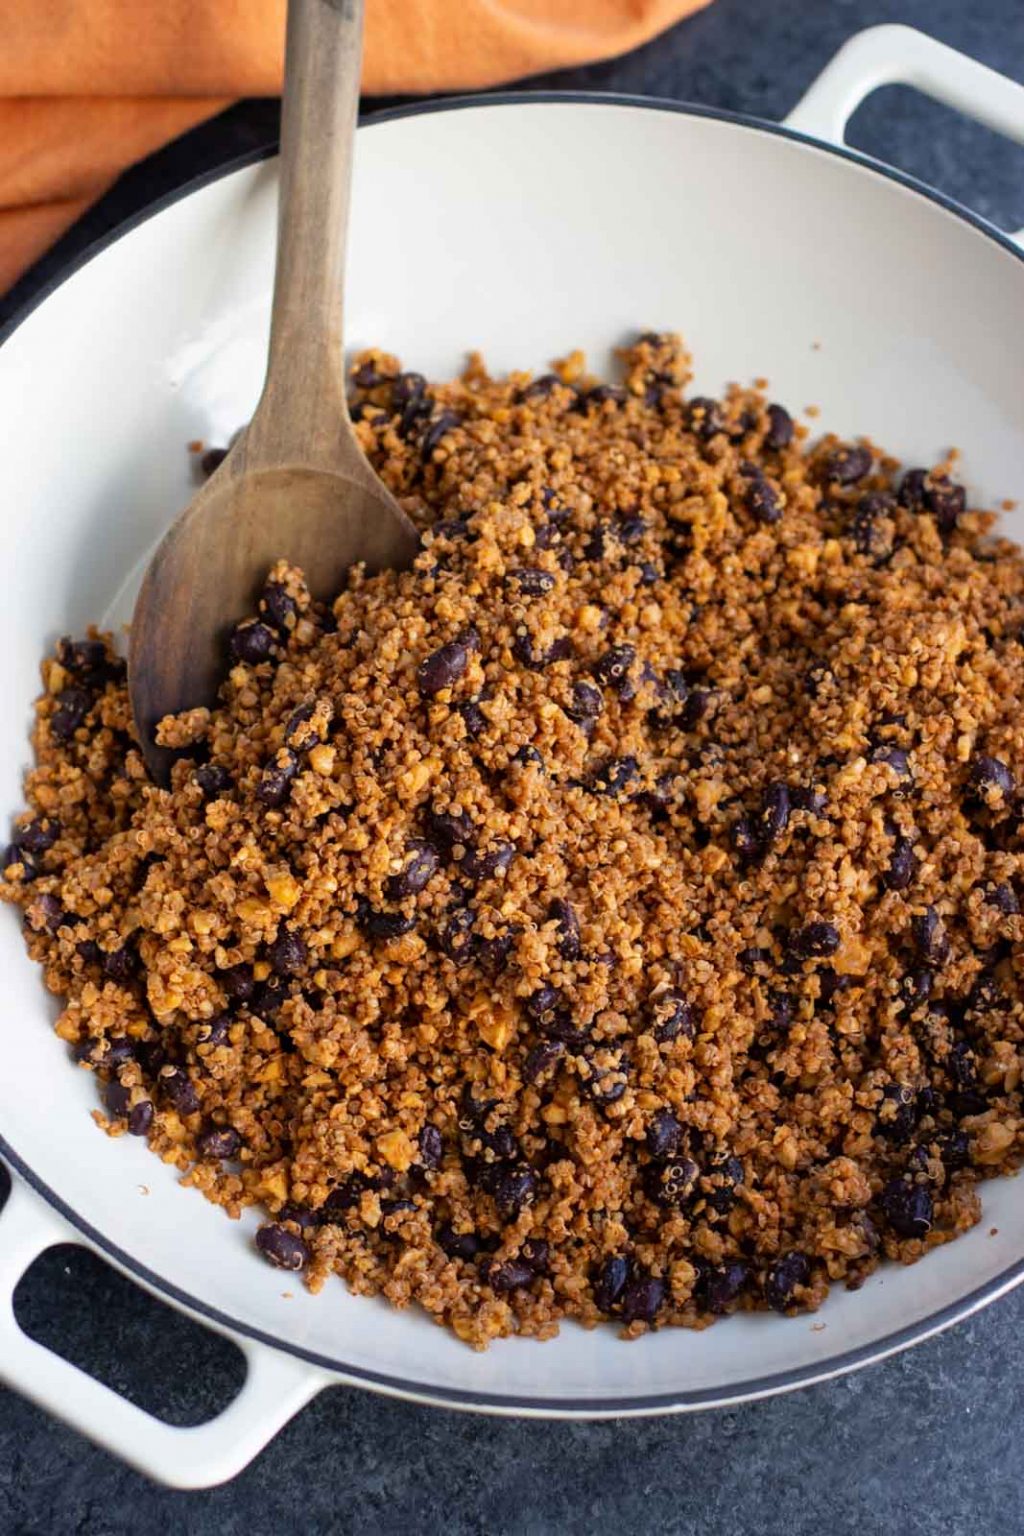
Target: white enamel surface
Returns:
[[522, 230]]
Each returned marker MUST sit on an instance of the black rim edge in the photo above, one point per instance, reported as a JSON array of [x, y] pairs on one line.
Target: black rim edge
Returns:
[[756, 1387]]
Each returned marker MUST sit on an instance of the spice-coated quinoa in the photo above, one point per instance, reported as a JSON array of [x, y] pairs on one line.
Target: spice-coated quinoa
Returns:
[[615, 915]]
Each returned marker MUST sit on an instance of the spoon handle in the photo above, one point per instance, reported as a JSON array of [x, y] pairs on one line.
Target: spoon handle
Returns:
[[303, 401]]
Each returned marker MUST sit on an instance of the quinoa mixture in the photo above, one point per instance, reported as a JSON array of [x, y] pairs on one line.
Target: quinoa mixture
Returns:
[[617, 915]]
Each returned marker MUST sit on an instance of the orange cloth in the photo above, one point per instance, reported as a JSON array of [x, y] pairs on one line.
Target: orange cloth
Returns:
[[89, 86]]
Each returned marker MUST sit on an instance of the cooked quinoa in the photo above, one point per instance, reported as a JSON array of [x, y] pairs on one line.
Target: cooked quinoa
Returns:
[[616, 915]]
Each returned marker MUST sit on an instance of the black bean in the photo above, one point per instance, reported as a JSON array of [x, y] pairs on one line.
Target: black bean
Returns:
[[631, 530], [540, 387], [600, 394], [238, 982], [782, 1008], [536, 1253], [773, 818], [930, 936], [510, 1276], [892, 757], [274, 784], [912, 490], [151, 1055], [420, 863], [252, 643], [438, 428], [897, 1113], [614, 775], [38, 836], [489, 863], [431, 1146], [780, 428], [642, 1298], [670, 1017], [613, 668], [456, 937], [907, 1207], [902, 866], [784, 1278], [120, 1049], [698, 706], [73, 704], [722, 1177], [140, 1118], [541, 1058], [875, 504], [288, 954], [649, 574], [528, 757], [962, 1065], [813, 941], [672, 1184], [121, 964], [704, 417], [179, 1090], [492, 955], [610, 1282], [294, 733], [955, 1150], [47, 912], [945, 500], [218, 1142], [474, 719], [367, 376], [527, 652], [587, 703], [532, 581], [213, 779], [990, 778], [563, 914], [762, 501], [282, 1248], [751, 961], [744, 838], [406, 389], [279, 607], [544, 1002], [803, 797], [848, 464], [450, 829], [722, 1285], [443, 667], [872, 536], [116, 1098], [305, 1219], [965, 1104], [605, 1084], [1003, 897], [916, 987], [457, 1245], [664, 1133], [513, 1188], [385, 926], [82, 658], [214, 1032]]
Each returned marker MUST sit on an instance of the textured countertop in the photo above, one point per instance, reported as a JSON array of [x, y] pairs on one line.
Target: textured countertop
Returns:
[[928, 1442]]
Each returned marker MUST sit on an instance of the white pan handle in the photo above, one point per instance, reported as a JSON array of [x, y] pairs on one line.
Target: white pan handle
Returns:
[[276, 1386], [897, 55]]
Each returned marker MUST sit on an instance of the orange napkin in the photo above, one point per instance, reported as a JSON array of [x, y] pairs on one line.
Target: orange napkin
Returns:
[[89, 86]]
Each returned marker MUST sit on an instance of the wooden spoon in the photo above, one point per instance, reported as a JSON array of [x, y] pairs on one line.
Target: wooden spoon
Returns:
[[295, 483]]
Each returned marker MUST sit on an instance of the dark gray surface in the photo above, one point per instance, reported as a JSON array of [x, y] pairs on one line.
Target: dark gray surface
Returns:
[[928, 1442]]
